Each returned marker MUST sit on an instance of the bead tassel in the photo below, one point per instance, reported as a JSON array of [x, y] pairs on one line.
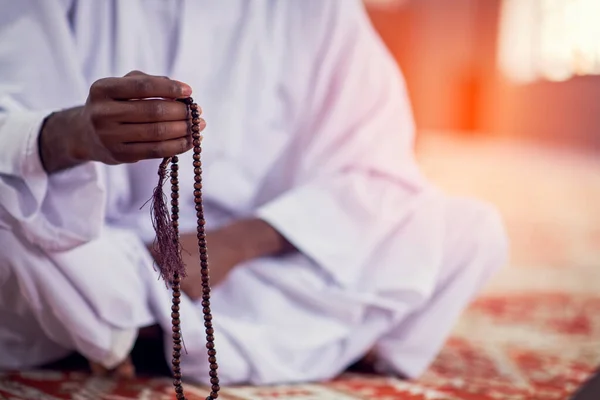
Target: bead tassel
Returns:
[[166, 244], [168, 254]]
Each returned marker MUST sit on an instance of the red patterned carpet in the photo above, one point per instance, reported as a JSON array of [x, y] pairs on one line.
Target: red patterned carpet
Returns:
[[534, 334]]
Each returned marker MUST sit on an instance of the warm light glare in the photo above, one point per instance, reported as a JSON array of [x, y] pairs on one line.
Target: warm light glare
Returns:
[[549, 39]]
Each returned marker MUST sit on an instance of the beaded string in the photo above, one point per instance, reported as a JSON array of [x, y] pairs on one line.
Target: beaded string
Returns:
[[168, 253]]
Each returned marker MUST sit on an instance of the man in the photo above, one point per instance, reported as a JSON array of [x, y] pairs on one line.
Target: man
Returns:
[[340, 247]]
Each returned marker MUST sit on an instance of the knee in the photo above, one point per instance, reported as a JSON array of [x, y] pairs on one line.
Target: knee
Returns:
[[492, 242], [484, 237]]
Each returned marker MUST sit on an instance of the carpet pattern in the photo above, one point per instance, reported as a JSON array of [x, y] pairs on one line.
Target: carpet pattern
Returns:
[[534, 334]]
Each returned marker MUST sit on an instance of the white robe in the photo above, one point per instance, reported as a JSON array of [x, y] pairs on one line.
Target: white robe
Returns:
[[309, 128]]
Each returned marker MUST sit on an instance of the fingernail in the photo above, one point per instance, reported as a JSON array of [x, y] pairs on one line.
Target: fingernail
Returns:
[[186, 90]]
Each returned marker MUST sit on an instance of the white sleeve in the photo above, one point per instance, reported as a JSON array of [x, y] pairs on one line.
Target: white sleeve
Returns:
[[357, 174], [63, 210]]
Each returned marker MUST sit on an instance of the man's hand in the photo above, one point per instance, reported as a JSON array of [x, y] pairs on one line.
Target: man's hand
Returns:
[[124, 120], [228, 247], [223, 257]]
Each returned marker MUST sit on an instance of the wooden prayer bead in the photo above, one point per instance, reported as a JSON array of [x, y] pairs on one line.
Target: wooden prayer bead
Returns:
[[175, 277]]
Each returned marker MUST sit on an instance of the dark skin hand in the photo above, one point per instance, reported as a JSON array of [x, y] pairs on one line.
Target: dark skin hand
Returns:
[[228, 247], [115, 126]]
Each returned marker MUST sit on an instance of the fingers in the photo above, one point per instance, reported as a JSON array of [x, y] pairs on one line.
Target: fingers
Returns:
[[154, 132], [137, 85], [141, 111], [133, 152], [136, 117]]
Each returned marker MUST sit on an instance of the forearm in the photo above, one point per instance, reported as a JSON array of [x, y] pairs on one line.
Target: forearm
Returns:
[[228, 247], [55, 142], [256, 238]]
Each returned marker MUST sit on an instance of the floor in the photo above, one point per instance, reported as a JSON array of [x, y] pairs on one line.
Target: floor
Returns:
[[534, 334]]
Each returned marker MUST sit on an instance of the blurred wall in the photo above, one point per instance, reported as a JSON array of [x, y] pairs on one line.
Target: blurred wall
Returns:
[[447, 51], [439, 47], [556, 113]]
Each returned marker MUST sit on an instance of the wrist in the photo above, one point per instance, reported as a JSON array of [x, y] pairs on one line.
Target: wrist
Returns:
[[255, 238], [57, 141]]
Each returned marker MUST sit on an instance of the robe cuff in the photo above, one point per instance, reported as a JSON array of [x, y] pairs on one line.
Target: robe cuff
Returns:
[[20, 152], [56, 212], [323, 225]]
